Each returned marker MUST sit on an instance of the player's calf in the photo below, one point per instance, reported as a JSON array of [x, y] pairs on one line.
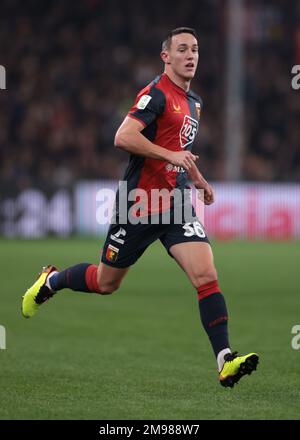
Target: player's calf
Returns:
[[86, 277], [80, 278], [214, 317]]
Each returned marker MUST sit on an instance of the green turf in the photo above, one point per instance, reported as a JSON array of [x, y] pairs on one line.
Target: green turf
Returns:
[[141, 353]]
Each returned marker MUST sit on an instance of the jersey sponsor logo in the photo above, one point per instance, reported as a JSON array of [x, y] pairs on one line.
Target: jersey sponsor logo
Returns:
[[175, 168], [112, 253], [188, 131], [176, 108], [143, 102]]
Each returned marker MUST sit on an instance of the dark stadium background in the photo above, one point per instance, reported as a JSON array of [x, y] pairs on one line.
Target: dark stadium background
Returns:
[[72, 71]]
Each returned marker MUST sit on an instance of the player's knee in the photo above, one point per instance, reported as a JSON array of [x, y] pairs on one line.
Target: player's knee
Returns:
[[107, 288], [202, 277]]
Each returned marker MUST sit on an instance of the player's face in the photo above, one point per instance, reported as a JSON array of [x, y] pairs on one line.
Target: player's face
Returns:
[[183, 55]]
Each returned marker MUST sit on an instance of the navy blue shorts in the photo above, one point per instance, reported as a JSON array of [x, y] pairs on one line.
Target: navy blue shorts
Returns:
[[125, 244]]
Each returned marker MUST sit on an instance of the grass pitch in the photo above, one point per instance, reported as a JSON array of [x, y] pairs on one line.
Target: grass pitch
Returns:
[[141, 353]]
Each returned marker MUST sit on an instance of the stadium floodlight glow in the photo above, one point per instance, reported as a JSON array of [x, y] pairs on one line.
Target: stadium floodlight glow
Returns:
[[2, 78]]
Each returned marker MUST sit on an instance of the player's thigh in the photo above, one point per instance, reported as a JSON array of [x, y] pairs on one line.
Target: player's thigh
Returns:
[[109, 278], [196, 259], [123, 246]]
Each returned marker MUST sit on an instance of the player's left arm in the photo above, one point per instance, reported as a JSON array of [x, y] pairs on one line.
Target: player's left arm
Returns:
[[200, 183]]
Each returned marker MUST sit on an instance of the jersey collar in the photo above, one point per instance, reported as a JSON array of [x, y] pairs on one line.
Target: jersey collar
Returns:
[[175, 86]]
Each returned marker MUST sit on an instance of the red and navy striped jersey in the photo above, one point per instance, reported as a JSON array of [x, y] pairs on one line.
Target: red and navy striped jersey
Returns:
[[171, 118]]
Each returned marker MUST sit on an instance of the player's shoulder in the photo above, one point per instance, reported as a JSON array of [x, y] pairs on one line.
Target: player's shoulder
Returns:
[[152, 92], [152, 87], [195, 97]]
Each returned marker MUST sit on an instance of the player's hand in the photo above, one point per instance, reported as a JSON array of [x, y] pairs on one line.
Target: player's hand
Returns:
[[183, 159], [209, 196]]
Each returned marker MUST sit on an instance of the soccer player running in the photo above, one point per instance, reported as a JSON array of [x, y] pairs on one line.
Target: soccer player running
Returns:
[[158, 132]]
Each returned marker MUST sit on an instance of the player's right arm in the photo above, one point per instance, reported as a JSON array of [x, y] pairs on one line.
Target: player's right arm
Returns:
[[130, 139]]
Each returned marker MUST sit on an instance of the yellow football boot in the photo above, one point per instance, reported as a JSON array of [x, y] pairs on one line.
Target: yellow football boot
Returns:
[[38, 293], [236, 367]]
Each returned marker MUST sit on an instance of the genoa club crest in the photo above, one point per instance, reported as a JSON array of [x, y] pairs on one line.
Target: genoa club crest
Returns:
[[112, 253], [198, 109]]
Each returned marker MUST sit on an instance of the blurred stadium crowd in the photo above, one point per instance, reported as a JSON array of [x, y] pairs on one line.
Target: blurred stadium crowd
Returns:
[[74, 68]]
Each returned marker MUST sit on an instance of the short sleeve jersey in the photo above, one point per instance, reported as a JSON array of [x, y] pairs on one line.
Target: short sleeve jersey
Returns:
[[171, 118]]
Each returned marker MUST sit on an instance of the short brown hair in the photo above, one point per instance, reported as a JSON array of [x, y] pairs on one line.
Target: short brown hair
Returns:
[[181, 30]]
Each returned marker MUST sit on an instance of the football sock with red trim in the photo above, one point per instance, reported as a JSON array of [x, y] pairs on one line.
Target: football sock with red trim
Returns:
[[214, 317], [81, 277]]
